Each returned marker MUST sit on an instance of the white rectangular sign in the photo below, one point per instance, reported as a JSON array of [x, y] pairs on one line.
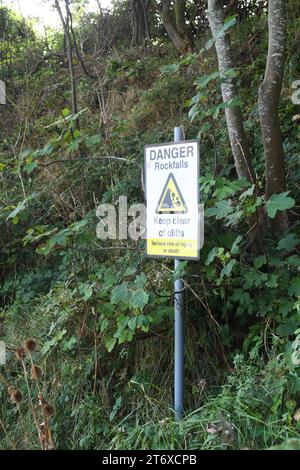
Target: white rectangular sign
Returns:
[[172, 195]]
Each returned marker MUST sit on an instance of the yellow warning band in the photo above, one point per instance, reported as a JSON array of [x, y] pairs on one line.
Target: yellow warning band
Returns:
[[172, 247]]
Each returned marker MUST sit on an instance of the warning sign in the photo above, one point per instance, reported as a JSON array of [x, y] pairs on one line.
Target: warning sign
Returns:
[[172, 195], [171, 200]]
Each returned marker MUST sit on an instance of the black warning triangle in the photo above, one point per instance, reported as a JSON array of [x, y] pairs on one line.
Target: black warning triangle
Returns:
[[171, 200]]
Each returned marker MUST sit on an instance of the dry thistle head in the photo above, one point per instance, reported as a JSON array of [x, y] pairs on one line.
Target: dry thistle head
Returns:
[[49, 410], [15, 395], [36, 372], [30, 345], [20, 353]]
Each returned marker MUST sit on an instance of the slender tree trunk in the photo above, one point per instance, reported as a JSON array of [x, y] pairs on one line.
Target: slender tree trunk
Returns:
[[78, 55], [66, 27], [234, 119], [268, 103]]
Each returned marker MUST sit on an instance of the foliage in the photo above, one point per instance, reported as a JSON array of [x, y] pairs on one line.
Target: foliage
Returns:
[[100, 312]]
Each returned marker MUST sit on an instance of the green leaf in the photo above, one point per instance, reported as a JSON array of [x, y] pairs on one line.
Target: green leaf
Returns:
[[288, 243], [294, 288], [260, 261], [110, 343], [120, 293], [132, 323], [47, 150], [231, 21], [279, 202], [130, 270], [115, 409], [209, 44], [221, 209], [70, 344], [74, 145], [49, 345], [139, 299], [86, 291], [231, 73], [93, 140], [24, 154], [180, 270], [206, 79], [272, 281], [226, 271], [235, 246], [287, 328], [21, 207], [193, 112], [29, 167], [211, 255], [65, 112], [170, 68]]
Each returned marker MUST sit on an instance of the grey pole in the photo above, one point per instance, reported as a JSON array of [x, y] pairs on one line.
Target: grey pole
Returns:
[[179, 328]]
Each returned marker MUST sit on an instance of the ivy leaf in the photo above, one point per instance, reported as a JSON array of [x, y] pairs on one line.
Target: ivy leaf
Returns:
[[279, 202], [288, 243]]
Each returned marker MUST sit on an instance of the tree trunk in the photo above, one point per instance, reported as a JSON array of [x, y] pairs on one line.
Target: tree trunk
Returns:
[[173, 34], [66, 27], [181, 25], [139, 22], [268, 103], [234, 119]]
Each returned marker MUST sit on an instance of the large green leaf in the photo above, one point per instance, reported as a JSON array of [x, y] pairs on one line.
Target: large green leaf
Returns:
[[288, 243], [279, 202], [139, 299]]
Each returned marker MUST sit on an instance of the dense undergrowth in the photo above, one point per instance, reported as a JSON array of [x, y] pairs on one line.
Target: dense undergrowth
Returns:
[[101, 313]]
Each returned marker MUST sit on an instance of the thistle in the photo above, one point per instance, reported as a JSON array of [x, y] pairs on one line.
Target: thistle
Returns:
[[36, 372], [30, 345]]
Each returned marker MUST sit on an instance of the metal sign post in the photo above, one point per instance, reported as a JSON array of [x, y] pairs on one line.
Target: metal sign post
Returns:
[[173, 231], [178, 328]]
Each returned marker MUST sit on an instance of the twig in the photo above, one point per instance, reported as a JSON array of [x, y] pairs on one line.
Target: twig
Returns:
[[65, 160]]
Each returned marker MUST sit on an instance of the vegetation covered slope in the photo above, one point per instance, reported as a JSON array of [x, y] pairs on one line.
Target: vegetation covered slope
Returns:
[[88, 324]]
